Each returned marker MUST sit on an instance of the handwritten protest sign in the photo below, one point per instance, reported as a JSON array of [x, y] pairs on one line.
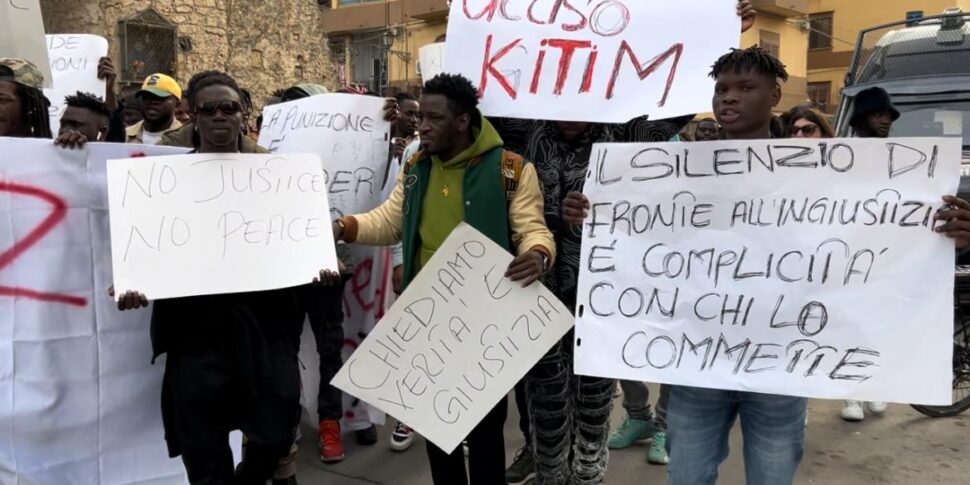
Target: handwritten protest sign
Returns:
[[805, 268], [74, 66], [22, 34], [453, 345], [431, 60], [349, 134], [218, 223], [607, 61], [81, 395]]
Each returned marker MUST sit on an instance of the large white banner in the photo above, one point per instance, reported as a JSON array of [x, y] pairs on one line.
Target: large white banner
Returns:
[[805, 268], [74, 64], [456, 342], [218, 223], [79, 398], [607, 61], [348, 133], [22, 34]]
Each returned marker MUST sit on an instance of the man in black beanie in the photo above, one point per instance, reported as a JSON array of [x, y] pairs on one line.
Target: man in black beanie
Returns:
[[874, 114]]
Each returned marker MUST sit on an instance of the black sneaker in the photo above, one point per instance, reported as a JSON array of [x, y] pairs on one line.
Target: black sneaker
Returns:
[[285, 481], [523, 467], [367, 437]]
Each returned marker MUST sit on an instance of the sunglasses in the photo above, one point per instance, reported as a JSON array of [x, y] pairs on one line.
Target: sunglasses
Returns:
[[227, 107], [808, 130]]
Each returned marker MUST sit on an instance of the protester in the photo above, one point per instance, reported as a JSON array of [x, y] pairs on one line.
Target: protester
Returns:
[[231, 359], [132, 109], [182, 111], [86, 118], [23, 106], [873, 114], [569, 414], [459, 176], [160, 95], [187, 136], [809, 123], [707, 130], [326, 316], [405, 143]]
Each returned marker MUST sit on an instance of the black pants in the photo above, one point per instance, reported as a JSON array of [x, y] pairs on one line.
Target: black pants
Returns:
[[208, 398], [522, 404], [486, 454], [324, 309]]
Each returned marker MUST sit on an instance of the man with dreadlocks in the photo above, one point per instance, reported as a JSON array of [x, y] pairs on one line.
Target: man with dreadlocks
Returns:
[[700, 420], [231, 358], [85, 119], [23, 106]]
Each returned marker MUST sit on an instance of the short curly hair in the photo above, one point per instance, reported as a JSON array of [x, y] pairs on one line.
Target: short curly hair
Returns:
[[461, 93], [753, 58], [207, 79], [89, 102]]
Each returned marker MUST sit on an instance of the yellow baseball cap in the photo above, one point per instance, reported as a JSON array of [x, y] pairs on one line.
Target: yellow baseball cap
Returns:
[[160, 85]]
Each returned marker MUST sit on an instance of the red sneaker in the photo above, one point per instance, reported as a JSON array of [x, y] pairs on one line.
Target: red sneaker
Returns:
[[331, 449]]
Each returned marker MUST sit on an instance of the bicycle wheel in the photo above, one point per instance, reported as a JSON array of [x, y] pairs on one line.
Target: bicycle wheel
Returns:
[[961, 371]]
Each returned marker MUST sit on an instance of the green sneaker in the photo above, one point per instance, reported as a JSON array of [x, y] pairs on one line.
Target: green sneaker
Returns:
[[658, 449], [631, 431], [523, 467]]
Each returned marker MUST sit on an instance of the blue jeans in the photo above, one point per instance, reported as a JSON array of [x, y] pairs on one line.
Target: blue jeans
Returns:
[[699, 422]]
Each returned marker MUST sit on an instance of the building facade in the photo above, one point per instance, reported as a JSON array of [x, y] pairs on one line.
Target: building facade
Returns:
[[780, 28], [265, 45], [835, 27], [375, 43]]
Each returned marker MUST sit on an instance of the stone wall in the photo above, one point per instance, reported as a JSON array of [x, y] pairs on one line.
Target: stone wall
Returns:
[[265, 45]]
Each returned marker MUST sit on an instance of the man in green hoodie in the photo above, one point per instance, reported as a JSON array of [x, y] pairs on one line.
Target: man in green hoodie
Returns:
[[461, 174]]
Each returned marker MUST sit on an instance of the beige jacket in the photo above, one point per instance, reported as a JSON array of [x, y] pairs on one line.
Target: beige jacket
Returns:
[[384, 225], [134, 131]]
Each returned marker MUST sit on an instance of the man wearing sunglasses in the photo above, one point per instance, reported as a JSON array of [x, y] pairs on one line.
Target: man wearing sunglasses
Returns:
[[160, 95], [186, 135]]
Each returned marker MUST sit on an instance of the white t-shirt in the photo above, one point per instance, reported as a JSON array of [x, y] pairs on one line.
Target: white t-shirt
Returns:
[[150, 138]]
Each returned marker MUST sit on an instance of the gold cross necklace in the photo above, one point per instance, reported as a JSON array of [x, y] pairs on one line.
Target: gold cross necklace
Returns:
[[445, 191]]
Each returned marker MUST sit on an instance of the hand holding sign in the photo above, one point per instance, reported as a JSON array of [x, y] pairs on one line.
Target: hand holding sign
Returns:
[[956, 218], [456, 342], [750, 277]]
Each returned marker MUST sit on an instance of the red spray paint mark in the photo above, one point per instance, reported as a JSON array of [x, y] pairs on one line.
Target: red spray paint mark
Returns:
[[55, 218]]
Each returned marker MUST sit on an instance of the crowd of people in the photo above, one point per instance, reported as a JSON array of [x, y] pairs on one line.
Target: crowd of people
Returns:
[[232, 359]]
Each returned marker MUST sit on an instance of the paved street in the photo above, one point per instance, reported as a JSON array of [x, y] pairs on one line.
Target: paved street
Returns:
[[902, 448]]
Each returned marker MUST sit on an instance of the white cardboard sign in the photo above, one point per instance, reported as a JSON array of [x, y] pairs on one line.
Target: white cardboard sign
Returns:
[[218, 223], [432, 60], [22, 34], [607, 61], [806, 268], [459, 338], [349, 134], [74, 64]]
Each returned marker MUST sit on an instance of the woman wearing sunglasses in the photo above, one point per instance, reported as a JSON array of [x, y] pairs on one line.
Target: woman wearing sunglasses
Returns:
[[231, 358], [809, 123]]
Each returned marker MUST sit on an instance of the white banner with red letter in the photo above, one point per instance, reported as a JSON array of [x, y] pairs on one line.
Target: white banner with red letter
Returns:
[[598, 61], [79, 398]]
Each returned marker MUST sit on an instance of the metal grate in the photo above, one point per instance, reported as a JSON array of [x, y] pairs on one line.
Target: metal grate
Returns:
[[937, 45], [149, 44]]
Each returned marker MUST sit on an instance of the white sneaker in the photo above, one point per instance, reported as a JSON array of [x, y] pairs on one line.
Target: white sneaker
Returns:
[[876, 407], [402, 437], [853, 411]]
